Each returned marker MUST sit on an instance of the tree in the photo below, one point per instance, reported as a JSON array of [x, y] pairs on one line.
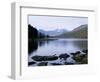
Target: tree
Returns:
[[32, 32], [47, 36], [41, 35]]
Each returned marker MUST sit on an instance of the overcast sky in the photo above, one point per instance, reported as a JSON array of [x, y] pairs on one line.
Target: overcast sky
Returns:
[[52, 23]]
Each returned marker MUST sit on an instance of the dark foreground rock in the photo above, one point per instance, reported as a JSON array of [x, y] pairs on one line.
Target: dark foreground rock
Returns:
[[43, 64], [31, 63], [80, 58], [85, 51], [77, 52], [55, 64], [64, 56], [44, 58], [68, 63]]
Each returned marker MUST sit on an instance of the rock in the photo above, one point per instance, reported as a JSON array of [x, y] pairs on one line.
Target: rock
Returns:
[[31, 63], [83, 55], [85, 51], [72, 54], [78, 52], [77, 58], [68, 63], [80, 58], [55, 63], [64, 56], [84, 61], [44, 58], [42, 64]]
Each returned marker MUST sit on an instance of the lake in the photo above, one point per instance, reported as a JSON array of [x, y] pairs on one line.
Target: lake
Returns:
[[56, 47]]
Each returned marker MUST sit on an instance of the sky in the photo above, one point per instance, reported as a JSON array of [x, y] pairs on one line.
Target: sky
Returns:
[[56, 22]]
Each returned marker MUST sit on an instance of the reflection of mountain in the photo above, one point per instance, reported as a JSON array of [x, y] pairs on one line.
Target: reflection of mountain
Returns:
[[53, 32], [79, 32]]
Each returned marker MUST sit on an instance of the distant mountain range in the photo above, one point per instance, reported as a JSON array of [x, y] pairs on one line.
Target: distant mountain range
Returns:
[[53, 32], [79, 32]]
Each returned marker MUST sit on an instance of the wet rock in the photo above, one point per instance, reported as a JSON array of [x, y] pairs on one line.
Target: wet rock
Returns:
[[84, 61], [83, 55], [64, 56], [85, 51], [56, 64], [72, 54], [31, 63], [80, 58], [42, 64], [78, 52], [77, 58], [44, 58], [68, 63]]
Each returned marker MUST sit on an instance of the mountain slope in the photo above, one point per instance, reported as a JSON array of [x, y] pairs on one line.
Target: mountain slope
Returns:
[[79, 32]]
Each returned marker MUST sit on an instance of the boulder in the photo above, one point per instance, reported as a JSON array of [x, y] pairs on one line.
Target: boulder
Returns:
[[31, 63], [44, 58], [68, 63], [42, 64], [55, 64], [64, 56], [85, 51], [72, 54], [78, 52]]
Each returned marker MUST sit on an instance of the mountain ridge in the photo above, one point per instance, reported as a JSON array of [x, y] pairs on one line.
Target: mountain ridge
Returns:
[[79, 32]]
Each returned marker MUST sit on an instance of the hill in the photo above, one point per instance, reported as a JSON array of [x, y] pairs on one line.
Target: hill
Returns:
[[79, 32]]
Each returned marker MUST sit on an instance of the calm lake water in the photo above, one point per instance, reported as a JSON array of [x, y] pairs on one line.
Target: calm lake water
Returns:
[[58, 46]]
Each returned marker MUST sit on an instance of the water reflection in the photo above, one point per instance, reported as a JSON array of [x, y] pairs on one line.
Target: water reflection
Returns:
[[56, 46], [33, 45]]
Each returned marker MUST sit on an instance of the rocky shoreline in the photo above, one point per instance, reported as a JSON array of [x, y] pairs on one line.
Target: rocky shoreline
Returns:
[[80, 57]]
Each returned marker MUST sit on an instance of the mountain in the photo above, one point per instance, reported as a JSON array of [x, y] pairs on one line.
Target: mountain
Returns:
[[79, 32], [53, 32]]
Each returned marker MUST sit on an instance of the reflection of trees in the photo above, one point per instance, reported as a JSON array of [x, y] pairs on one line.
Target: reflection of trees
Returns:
[[32, 46], [43, 42], [40, 43]]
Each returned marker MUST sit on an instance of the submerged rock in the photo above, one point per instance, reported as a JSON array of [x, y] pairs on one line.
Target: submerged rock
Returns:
[[44, 58], [31, 63], [42, 64], [68, 63], [55, 64]]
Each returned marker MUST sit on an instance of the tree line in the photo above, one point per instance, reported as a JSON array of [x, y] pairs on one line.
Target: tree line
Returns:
[[33, 33]]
